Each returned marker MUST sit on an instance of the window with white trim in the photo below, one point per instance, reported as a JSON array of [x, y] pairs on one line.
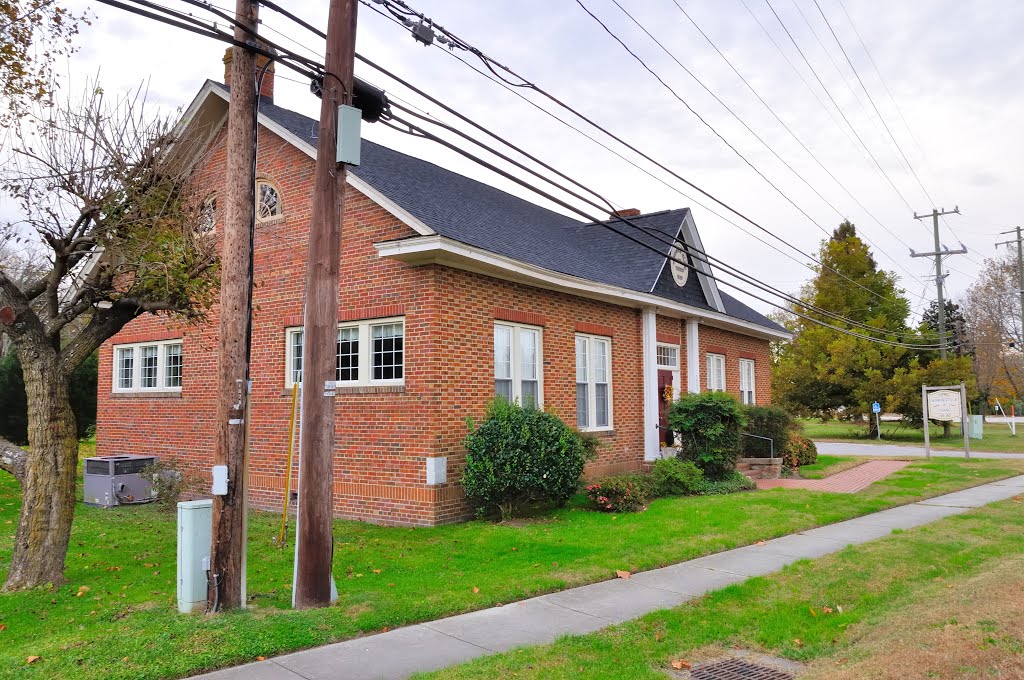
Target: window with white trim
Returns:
[[716, 372], [593, 382], [268, 201], [378, 362], [148, 367], [667, 356], [517, 364], [747, 381]]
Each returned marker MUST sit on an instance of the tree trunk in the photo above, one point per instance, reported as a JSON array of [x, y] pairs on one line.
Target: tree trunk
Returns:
[[946, 429], [48, 476]]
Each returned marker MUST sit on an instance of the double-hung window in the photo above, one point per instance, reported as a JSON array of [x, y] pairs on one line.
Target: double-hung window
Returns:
[[747, 381], [716, 372], [366, 353], [517, 364], [593, 382], [148, 367]]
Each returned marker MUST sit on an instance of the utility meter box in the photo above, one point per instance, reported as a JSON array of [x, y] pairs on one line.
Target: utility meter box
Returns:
[[195, 527]]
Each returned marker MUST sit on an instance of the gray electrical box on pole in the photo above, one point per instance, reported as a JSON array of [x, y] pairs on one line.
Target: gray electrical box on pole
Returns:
[[939, 276]]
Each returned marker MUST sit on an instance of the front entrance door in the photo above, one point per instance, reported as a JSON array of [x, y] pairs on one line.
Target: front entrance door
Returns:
[[665, 399]]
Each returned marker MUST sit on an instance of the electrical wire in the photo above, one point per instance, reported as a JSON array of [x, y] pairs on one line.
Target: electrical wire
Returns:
[[526, 84], [799, 141], [574, 209]]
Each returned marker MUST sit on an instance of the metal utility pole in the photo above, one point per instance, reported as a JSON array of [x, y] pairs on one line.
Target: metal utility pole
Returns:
[[227, 561], [314, 533], [939, 252], [1020, 268]]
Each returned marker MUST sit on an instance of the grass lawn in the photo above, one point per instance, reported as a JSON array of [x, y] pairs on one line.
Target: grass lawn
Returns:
[[116, 615], [996, 435], [943, 599]]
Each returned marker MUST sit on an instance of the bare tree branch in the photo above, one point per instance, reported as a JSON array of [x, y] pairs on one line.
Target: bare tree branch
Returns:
[[12, 459]]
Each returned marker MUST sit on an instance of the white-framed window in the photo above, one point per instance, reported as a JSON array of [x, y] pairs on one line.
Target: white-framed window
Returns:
[[148, 367], [716, 372], [268, 201], [593, 382], [667, 356], [367, 353], [208, 216], [518, 372], [747, 381]]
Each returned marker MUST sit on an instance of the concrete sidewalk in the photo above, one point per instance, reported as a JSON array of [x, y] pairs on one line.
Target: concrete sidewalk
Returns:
[[895, 450], [434, 645]]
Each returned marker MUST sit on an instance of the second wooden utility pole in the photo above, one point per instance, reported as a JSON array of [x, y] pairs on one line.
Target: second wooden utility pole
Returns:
[[227, 562], [1020, 268], [939, 276], [314, 532]]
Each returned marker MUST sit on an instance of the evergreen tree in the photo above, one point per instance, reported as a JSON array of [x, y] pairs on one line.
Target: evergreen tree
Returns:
[[824, 371]]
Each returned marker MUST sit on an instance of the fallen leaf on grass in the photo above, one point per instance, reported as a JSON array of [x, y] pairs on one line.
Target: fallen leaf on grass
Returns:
[[759, 543], [32, 659], [839, 608], [659, 636], [475, 589], [622, 574], [376, 571], [826, 610], [680, 664], [82, 590], [124, 658], [261, 658], [813, 613], [3, 626], [798, 642]]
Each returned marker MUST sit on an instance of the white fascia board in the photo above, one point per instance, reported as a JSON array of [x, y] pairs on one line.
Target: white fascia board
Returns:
[[707, 282], [437, 249], [353, 181]]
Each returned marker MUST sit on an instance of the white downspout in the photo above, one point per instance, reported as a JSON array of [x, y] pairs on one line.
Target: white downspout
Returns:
[[692, 356], [652, 440]]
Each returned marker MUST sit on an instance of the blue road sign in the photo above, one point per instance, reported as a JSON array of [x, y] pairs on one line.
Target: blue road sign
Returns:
[[876, 407]]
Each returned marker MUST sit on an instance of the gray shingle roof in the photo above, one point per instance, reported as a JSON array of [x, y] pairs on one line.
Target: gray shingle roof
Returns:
[[479, 215]]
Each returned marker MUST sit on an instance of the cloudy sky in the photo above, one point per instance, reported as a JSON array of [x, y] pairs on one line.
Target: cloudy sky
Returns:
[[954, 69]]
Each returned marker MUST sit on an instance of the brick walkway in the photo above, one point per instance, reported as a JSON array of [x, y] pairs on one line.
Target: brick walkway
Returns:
[[849, 481]]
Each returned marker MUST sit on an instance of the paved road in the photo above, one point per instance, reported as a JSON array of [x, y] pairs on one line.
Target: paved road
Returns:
[[436, 644], [857, 449]]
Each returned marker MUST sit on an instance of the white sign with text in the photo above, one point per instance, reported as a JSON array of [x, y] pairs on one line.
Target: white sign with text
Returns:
[[944, 405]]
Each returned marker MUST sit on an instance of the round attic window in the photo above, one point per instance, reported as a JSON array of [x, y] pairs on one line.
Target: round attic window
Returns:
[[680, 268]]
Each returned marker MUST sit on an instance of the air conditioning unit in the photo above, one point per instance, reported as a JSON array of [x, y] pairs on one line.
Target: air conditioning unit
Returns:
[[115, 480]]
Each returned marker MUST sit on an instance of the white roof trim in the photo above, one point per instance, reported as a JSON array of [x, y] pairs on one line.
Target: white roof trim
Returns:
[[352, 180], [440, 250], [704, 275]]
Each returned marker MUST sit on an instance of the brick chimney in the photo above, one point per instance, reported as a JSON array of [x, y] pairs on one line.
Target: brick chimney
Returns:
[[267, 88], [628, 212]]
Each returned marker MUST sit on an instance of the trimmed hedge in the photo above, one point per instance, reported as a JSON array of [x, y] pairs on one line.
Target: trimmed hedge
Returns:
[[676, 477], [520, 455], [709, 425], [766, 421]]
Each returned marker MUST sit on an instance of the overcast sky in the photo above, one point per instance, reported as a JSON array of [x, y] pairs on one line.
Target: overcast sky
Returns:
[[954, 67]]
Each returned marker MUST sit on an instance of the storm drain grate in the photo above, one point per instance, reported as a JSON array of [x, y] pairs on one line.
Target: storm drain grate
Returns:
[[737, 669]]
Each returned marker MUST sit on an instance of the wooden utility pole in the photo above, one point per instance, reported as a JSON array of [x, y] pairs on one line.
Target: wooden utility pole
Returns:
[[939, 276], [1020, 267], [227, 548], [314, 532]]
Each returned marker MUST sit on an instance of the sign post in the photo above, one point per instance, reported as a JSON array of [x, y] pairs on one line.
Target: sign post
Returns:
[[876, 408], [946, 402]]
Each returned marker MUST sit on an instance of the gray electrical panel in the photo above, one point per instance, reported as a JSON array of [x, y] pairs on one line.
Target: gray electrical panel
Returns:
[[115, 480]]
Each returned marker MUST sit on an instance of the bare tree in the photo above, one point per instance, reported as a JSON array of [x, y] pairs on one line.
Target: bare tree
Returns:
[[993, 314], [103, 187]]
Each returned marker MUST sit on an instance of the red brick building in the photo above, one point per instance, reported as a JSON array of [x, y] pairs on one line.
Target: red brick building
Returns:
[[451, 291]]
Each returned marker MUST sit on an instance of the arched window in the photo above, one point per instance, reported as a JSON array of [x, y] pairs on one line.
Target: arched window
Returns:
[[268, 201]]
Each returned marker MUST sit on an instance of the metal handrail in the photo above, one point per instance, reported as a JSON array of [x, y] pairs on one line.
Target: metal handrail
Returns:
[[771, 442]]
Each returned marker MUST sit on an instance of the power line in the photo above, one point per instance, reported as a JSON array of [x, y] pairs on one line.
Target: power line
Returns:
[[784, 125], [525, 84], [643, 244]]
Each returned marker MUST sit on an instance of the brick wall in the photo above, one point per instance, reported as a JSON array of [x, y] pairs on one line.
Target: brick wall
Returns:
[[735, 347], [384, 436]]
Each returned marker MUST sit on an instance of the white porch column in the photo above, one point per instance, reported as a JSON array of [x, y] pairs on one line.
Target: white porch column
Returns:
[[652, 442], [692, 356]]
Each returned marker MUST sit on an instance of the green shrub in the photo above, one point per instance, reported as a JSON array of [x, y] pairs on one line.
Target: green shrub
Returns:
[[617, 494], [646, 483], [709, 426], [766, 421], [519, 455], [676, 477], [799, 451], [169, 484], [731, 483]]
